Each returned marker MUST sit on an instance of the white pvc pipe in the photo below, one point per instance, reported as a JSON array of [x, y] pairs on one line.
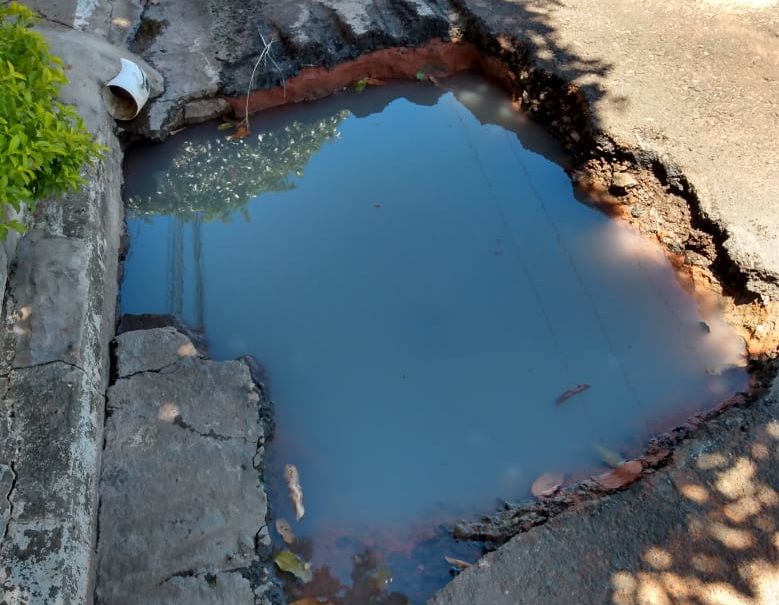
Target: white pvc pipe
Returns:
[[127, 93]]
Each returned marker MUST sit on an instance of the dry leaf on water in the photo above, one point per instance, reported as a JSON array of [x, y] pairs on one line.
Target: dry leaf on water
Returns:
[[288, 561], [284, 529], [547, 484], [579, 388], [292, 477], [240, 133], [622, 476], [458, 563], [363, 83]]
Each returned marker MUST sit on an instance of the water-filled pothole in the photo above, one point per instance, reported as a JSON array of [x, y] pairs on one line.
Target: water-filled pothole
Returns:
[[410, 266]]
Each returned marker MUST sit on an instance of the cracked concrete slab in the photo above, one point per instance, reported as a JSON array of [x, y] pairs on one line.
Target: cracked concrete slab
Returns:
[[151, 350], [214, 589], [50, 272], [182, 510], [50, 435]]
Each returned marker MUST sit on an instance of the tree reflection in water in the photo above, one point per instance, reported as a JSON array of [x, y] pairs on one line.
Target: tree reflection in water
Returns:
[[212, 178]]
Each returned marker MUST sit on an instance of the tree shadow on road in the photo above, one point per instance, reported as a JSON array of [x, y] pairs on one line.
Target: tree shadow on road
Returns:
[[727, 552], [528, 28]]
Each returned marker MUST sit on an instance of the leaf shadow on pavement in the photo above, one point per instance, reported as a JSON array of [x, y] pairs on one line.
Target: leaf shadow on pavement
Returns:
[[725, 549]]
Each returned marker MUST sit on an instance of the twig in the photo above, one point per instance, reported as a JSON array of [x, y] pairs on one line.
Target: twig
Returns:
[[263, 58]]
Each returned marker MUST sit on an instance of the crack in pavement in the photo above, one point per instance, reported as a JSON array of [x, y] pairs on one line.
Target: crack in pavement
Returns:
[[9, 498], [179, 421]]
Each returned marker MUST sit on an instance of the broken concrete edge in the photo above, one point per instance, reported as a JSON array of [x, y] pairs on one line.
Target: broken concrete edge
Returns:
[[164, 350], [516, 518]]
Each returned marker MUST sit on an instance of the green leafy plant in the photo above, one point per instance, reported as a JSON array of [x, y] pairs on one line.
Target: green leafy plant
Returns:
[[43, 143]]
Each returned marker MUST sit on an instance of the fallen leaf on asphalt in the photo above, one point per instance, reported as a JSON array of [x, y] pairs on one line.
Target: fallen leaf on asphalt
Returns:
[[284, 529], [458, 563], [292, 477], [579, 388], [288, 561], [547, 484]]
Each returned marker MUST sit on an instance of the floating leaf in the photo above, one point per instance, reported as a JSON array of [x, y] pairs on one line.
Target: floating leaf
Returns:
[[547, 484], [579, 388], [225, 126], [458, 563], [361, 84], [421, 75], [284, 529], [622, 476], [240, 133], [610, 457], [295, 490], [288, 561]]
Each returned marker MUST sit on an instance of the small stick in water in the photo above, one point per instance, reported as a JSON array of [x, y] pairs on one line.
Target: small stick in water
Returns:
[[579, 388], [457, 563], [295, 490]]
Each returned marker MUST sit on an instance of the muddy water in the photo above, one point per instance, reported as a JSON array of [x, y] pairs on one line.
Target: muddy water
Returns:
[[412, 269]]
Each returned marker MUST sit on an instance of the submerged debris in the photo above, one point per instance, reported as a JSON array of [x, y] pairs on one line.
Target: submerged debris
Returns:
[[284, 529], [457, 563], [547, 484], [288, 561], [292, 477], [610, 457], [579, 388]]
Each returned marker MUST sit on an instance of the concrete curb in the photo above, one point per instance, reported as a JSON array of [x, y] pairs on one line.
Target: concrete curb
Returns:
[[58, 316]]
